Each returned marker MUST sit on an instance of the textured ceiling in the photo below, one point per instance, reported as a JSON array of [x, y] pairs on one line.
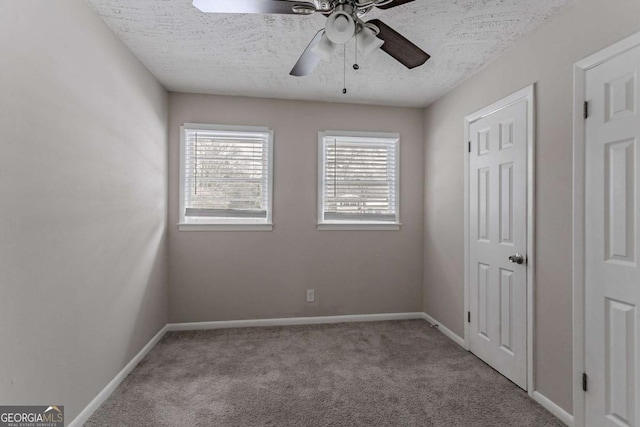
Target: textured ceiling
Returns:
[[251, 55]]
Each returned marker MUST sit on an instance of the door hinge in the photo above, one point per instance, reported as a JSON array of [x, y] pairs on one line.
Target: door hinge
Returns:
[[584, 382], [468, 317], [586, 109], [469, 146]]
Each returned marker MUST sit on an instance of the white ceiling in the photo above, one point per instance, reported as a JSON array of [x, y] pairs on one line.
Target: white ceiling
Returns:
[[251, 55]]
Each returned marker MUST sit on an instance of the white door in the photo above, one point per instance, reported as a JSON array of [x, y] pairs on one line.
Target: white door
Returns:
[[497, 237], [612, 275]]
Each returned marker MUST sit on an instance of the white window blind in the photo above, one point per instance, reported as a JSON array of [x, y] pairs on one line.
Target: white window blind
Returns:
[[359, 181], [226, 176]]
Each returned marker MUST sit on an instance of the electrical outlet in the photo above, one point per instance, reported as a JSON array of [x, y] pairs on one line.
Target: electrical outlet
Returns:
[[311, 295]]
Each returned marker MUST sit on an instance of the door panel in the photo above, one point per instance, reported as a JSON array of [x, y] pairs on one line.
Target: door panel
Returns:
[[483, 204], [506, 310], [483, 300], [619, 198], [612, 275], [506, 204], [620, 350], [497, 230]]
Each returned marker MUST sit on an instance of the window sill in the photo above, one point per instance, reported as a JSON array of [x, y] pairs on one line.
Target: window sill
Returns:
[[359, 226], [225, 227]]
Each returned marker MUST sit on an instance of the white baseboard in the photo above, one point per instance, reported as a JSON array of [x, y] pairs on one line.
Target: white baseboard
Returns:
[[448, 332], [550, 406], [115, 382], [196, 326]]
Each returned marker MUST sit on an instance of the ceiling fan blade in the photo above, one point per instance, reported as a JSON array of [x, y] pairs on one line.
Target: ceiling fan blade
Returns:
[[398, 47], [308, 60], [255, 6], [394, 3]]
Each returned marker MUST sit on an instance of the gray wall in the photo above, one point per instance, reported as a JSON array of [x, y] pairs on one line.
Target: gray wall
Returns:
[[249, 275], [82, 201], [546, 58]]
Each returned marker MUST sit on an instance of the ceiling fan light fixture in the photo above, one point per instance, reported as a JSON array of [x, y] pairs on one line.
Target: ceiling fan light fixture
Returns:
[[340, 27], [325, 48], [368, 42]]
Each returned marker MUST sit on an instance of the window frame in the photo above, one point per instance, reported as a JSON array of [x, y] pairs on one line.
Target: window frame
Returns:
[[225, 224], [336, 225]]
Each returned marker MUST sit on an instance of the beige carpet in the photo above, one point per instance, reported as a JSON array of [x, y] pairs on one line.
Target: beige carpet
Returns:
[[400, 373]]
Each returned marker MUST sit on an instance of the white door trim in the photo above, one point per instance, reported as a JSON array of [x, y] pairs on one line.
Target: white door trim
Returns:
[[579, 138], [528, 94]]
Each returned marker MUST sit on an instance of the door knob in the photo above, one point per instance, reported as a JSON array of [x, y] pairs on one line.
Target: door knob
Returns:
[[516, 258]]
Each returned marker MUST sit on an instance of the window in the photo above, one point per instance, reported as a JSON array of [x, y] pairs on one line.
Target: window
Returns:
[[358, 181], [225, 178]]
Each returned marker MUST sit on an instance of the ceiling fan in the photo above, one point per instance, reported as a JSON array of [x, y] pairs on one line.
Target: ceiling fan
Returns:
[[344, 22]]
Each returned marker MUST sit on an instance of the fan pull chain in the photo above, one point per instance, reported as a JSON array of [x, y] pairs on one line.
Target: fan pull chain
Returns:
[[355, 65], [344, 75]]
